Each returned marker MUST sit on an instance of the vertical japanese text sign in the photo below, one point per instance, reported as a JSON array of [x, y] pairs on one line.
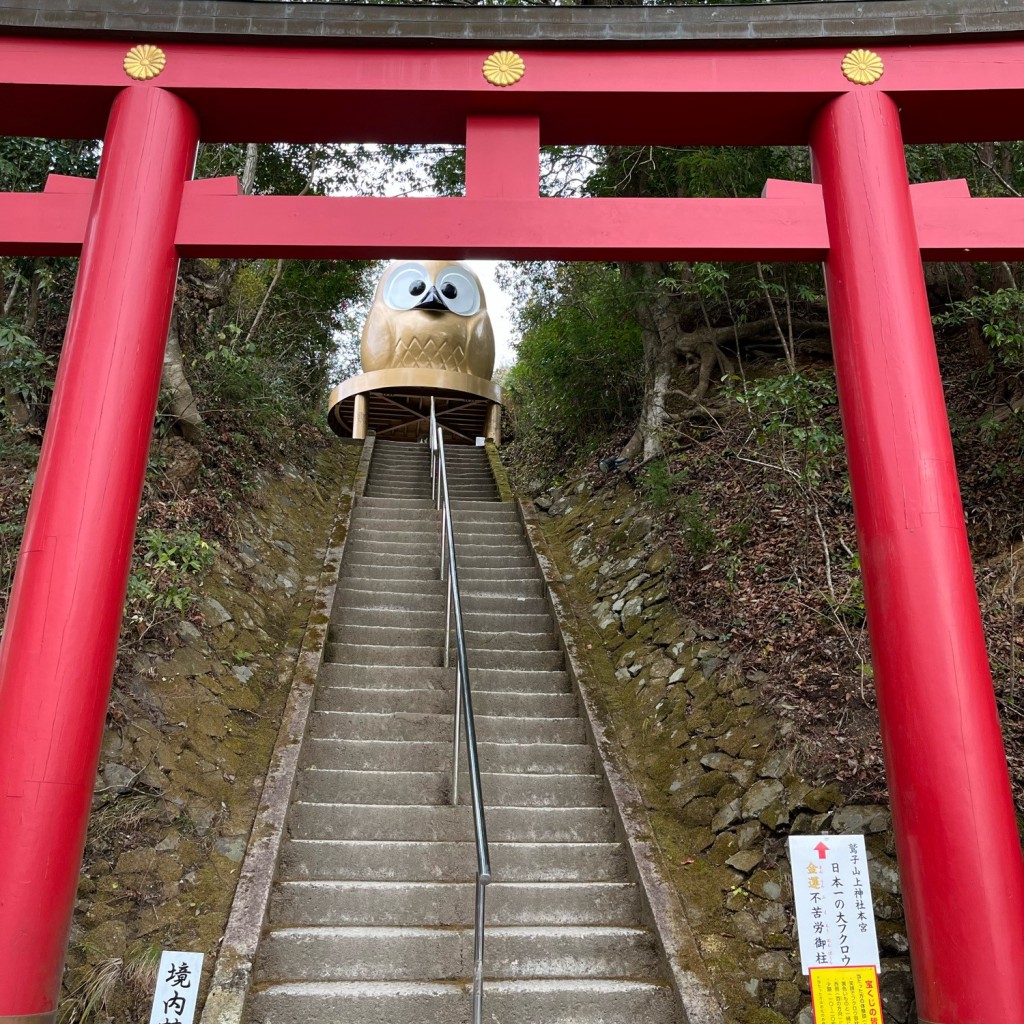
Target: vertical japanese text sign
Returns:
[[834, 917], [177, 988]]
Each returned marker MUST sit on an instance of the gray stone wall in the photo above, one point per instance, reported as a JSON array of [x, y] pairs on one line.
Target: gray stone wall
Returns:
[[721, 771]]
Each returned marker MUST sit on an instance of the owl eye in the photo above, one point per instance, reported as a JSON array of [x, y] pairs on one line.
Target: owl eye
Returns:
[[460, 292], [405, 284]]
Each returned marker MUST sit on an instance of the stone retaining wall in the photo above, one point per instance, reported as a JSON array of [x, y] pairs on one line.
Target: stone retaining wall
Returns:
[[719, 771]]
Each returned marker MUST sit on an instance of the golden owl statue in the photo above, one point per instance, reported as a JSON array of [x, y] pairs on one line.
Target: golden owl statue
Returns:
[[429, 314]]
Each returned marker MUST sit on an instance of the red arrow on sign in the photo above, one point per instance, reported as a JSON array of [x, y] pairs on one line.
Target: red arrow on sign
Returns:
[[822, 850]]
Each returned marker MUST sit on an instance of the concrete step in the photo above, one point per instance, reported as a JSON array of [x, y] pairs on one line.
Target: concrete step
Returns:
[[495, 514], [501, 789], [398, 489], [377, 860], [386, 475], [437, 678], [414, 636], [472, 489], [398, 473], [389, 504], [454, 824], [365, 533], [505, 548], [396, 533], [504, 510], [430, 656], [415, 954], [488, 584], [528, 660], [354, 605], [363, 516], [365, 654], [396, 617], [432, 756], [472, 483], [475, 578], [379, 598], [442, 702], [378, 571], [356, 586], [420, 727], [478, 533], [444, 904], [370, 554], [568, 1001], [496, 562]]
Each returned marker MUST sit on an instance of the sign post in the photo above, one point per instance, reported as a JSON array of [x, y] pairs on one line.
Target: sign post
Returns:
[[177, 987]]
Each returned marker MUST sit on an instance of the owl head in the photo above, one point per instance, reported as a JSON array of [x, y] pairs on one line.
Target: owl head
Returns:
[[429, 314]]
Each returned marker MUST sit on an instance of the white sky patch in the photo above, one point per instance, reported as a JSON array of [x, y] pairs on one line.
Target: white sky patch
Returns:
[[498, 310]]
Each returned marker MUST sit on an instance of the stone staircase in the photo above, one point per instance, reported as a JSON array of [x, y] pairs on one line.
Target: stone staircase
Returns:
[[371, 915]]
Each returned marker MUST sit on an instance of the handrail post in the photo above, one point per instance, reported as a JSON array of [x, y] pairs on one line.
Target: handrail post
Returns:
[[478, 952], [456, 726], [447, 623]]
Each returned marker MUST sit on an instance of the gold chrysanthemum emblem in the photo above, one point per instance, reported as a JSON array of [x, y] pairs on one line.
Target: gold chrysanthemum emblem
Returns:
[[144, 62], [863, 66], [504, 68]]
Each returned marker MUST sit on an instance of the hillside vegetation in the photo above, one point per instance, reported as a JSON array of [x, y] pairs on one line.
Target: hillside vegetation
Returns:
[[709, 390]]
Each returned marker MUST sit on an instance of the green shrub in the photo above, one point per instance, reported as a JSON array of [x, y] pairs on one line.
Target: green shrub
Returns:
[[161, 582]]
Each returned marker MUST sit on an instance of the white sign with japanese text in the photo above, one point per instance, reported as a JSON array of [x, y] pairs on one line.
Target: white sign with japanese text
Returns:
[[177, 988], [834, 916]]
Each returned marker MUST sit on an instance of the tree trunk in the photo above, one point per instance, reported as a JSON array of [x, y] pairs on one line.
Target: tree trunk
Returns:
[[179, 391], [659, 324]]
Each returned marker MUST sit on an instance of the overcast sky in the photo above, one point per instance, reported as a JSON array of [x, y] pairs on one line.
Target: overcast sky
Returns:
[[497, 307]]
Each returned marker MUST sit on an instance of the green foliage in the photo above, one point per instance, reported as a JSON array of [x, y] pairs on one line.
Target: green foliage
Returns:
[[162, 579], [796, 415], [26, 162], [18, 454], [26, 370], [579, 367], [1001, 317], [656, 484]]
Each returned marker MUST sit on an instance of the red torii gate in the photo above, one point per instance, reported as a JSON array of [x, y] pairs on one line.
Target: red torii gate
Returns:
[[957, 840]]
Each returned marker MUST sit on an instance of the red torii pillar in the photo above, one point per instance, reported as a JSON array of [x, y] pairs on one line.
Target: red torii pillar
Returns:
[[58, 651], [953, 815]]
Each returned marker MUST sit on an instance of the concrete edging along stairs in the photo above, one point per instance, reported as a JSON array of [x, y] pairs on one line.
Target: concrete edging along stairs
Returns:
[[371, 915]]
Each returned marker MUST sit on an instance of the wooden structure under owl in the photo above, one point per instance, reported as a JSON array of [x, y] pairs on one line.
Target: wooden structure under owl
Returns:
[[427, 336]]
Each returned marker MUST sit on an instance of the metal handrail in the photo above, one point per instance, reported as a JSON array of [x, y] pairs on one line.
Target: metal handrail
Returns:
[[463, 702]]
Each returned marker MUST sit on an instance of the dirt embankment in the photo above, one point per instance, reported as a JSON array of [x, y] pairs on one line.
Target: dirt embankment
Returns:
[[190, 730], [725, 778]]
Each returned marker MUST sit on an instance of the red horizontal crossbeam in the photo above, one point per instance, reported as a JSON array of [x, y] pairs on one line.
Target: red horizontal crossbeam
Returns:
[[788, 223], [578, 229], [946, 92]]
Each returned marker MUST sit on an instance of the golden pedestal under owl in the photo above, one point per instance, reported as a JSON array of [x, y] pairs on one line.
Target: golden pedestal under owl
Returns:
[[427, 336]]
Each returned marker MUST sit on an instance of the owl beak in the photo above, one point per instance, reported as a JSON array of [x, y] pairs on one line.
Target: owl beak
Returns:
[[432, 300]]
